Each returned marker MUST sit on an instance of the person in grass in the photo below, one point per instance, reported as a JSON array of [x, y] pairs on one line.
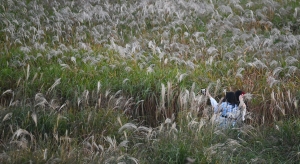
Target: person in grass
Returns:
[[230, 109]]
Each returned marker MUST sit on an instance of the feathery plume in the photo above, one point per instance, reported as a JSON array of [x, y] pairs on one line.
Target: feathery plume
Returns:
[[276, 71], [163, 94], [54, 85], [34, 117], [128, 126], [27, 72], [239, 73], [7, 117], [98, 87]]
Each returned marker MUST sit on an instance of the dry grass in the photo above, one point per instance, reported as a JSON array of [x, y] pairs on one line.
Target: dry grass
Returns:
[[72, 72]]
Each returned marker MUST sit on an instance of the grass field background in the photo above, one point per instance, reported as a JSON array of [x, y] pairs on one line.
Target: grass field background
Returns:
[[119, 81]]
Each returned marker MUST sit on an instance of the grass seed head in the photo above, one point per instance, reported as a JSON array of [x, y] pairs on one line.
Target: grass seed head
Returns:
[[7, 117]]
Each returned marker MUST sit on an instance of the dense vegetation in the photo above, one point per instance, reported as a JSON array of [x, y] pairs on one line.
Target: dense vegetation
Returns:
[[119, 81]]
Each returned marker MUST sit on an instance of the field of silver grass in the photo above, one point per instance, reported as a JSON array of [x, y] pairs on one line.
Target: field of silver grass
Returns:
[[148, 60]]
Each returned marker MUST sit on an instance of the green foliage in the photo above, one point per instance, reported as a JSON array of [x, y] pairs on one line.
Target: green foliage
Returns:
[[73, 73]]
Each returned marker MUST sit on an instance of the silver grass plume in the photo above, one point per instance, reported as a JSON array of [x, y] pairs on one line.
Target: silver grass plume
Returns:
[[9, 91], [272, 81], [98, 87], [128, 126], [34, 118], [7, 117], [239, 72], [21, 132], [291, 60], [112, 143], [40, 100], [182, 76], [292, 70], [27, 72], [57, 82], [276, 71], [163, 94]]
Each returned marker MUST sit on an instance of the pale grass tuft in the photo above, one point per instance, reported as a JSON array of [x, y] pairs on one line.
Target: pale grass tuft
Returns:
[[45, 154], [212, 151], [233, 143], [281, 109], [273, 96], [119, 120], [22, 133], [211, 50], [65, 66], [291, 60], [292, 70], [40, 100], [73, 59], [19, 132], [34, 117], [258, 160], [7, 117], [163, 94], [112, 143], [289, 96], [107, 92], [78, 101], [89, 117], [22, 142], [181, 77], [276, 71], [62, 106], [248, 96], [85, 96], [220, 149], [34, 77], [296, 102], [184, 99], [272, 81], [189, 160], [219, 132], [239, 73], [145, 130], [57, 82], [168, 121], [124, 144], [27, 72], [192, 124], [136, 161], [173, 128], [8, 91], [128, 126], [125, 80], [201, 124], [65, 138], [296, 12], [150, 69], [98, 87]]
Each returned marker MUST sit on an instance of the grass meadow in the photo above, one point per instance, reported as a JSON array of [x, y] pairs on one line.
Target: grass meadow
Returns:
[[116, 81]]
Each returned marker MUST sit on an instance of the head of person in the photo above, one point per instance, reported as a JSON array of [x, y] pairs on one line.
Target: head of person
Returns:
[[230, 97], [238, 93]]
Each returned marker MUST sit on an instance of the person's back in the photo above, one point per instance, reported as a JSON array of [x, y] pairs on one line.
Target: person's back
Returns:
[[228, 108]]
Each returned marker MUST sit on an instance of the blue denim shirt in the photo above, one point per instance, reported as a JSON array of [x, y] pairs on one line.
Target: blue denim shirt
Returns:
[[228, 108], [224, 107]]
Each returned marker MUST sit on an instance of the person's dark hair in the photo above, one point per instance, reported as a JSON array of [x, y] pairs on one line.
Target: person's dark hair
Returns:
[[230, 98]]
